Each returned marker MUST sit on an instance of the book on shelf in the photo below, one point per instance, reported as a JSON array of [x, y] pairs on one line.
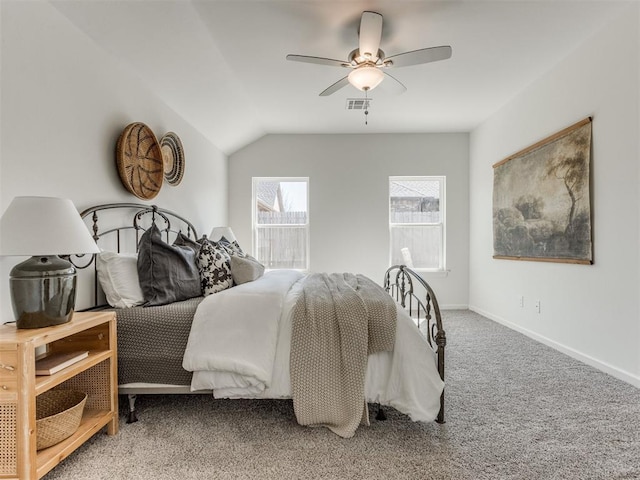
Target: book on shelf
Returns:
[[50, 363]]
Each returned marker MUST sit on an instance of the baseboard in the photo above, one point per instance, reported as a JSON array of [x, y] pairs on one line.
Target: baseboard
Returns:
[[454, 307], [593, 362]]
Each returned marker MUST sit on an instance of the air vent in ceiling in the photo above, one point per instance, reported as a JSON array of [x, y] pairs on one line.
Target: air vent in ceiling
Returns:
[[358, 103]]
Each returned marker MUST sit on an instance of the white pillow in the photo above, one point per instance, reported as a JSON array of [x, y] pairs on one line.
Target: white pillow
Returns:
[[118, 277]]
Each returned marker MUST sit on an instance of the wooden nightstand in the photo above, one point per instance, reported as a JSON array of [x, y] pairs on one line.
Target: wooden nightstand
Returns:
[[19, 387]]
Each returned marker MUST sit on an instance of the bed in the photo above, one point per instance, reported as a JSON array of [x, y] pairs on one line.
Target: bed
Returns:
[[183, 346]]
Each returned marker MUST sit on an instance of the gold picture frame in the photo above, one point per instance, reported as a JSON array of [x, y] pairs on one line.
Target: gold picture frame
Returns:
[[542, 200]]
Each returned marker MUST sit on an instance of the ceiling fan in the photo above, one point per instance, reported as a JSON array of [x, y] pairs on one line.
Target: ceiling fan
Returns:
[[368, 63]]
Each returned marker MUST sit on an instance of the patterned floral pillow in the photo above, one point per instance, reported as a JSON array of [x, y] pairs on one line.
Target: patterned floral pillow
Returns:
[[215, 268], [232, 248]]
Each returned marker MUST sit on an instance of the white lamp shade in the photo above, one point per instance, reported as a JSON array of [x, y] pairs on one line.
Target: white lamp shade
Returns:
[[38, 226], [366, 78], [218, 232]]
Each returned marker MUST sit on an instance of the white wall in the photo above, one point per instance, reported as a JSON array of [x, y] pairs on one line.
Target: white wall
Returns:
[[590, 312], [64, 103], [348, 196]]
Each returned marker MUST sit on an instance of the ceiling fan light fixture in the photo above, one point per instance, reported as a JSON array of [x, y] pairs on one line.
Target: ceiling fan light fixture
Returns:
[[366, 78]]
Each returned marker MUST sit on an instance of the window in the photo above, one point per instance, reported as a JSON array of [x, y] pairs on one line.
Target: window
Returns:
[[281, 222], [416, 222]]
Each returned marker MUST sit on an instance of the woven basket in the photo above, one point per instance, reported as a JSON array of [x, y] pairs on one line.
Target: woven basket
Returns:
[[139, 161], [58, 415]]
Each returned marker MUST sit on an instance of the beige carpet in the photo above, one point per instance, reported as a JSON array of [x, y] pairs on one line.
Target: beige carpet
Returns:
[[515, 410]]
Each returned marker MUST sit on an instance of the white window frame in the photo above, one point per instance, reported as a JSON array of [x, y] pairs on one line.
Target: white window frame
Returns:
[[254, 216], [442, 267]]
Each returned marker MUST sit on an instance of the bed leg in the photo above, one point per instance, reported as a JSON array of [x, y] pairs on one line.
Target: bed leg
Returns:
[[441, 341], [132, 409], [440, 417], [381, 416]]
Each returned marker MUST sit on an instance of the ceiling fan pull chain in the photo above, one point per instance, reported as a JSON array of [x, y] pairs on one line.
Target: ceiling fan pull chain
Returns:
[[366, 107]]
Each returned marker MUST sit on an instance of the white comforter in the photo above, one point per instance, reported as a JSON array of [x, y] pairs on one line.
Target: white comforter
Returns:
[[240, 342]]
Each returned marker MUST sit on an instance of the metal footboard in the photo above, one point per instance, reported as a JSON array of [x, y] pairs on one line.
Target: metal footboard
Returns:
[[416, 296]]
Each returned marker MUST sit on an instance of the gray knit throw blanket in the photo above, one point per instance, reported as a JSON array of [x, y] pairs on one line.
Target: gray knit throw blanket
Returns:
[[338, 321]]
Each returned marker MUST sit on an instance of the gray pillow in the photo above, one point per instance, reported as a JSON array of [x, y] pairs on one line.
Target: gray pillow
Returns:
[[245, 269], [183, 241], [167, 273]]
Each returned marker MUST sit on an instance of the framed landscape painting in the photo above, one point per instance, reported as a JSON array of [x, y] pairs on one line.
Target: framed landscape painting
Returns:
[[542, 201]]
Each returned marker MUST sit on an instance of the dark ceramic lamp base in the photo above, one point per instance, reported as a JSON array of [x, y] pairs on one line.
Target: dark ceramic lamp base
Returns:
[[43, 291]]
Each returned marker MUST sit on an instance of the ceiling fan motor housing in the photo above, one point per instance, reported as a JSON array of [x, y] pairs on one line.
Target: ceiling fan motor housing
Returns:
[[356, 59]]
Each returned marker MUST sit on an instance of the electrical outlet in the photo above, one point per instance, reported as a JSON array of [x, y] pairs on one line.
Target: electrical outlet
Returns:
[[521, 301], [538, 306]]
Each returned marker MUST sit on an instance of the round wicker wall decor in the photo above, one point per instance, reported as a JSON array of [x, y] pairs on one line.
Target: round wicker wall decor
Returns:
[[173, 158], [139, 160]]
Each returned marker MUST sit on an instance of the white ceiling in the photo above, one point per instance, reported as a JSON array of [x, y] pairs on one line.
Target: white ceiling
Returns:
[[221, 64]]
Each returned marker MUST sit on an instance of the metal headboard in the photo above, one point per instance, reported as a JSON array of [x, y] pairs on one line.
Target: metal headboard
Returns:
[[134, 218]]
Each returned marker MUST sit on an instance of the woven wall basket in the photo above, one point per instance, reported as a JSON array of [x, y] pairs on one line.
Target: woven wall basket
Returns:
[[173, 157], [139, 160], [58, 416]]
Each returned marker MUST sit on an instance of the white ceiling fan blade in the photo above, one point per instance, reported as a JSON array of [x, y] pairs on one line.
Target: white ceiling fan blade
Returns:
[[343, 82], [370, 34], [416, 57], [393, 85], [318, 60]]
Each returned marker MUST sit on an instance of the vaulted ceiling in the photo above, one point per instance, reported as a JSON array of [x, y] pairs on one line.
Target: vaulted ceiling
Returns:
[[221, 64]]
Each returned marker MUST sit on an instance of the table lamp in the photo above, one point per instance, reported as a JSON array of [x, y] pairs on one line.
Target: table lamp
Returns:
[[218, 232], [43, 288]]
